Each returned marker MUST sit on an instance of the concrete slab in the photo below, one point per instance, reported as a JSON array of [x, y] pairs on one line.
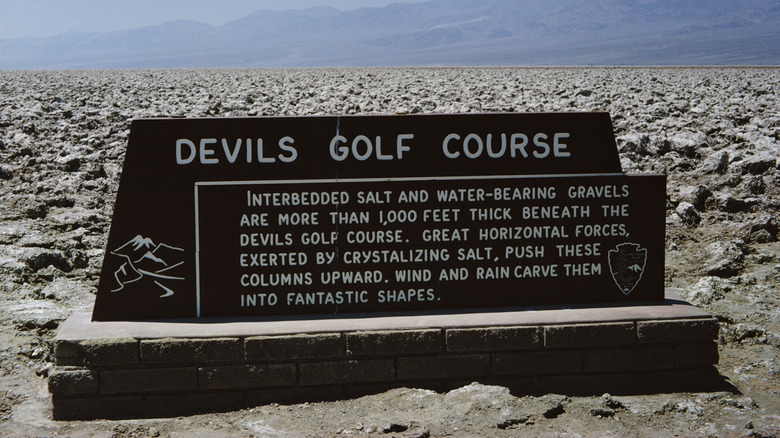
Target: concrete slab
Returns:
[[80, 327]]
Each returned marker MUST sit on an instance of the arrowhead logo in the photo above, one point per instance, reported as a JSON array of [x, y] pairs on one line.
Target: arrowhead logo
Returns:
[[627, 264]]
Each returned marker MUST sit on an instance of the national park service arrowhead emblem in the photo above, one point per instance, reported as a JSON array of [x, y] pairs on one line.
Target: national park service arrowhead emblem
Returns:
[[627, 264]]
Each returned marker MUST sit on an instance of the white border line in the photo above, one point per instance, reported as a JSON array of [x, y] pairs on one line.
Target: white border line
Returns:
[[411, 178], [197, 255], [348, 180]]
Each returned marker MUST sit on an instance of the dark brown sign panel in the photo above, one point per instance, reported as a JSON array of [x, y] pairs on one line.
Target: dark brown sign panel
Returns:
[[247, 217]]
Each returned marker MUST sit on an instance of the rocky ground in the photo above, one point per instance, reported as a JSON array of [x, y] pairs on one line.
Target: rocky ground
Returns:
[[714, 131]]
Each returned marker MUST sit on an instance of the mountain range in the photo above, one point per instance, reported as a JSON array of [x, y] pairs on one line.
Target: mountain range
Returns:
[[434, 33]]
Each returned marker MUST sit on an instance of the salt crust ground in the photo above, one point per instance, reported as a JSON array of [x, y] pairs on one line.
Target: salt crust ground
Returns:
[[714, 131]]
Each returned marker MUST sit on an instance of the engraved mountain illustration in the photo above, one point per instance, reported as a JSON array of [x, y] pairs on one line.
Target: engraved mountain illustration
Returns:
[[146, 260], [136, 243], [127, 274]]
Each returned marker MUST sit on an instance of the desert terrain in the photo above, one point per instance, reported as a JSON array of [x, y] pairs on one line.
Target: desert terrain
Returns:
[[714, 131]]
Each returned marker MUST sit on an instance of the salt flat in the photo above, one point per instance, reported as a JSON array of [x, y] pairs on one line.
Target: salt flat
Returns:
[[714, 131]]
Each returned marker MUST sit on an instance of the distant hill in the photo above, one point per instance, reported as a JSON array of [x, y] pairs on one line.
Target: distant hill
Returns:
[[435, 32]]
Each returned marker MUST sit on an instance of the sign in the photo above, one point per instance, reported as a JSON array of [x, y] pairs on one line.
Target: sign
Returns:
[[248, 217]]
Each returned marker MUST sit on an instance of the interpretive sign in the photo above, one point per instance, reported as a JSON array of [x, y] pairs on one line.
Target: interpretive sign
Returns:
[[247, 217]]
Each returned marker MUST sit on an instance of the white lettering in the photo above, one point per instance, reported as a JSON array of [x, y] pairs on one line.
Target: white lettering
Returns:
[[205, 152], [179, 157]]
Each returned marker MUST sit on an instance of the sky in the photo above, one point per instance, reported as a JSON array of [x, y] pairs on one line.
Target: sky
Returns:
[[42, 18]]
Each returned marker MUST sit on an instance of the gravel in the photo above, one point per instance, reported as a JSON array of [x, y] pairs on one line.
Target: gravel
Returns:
[[714, 131]]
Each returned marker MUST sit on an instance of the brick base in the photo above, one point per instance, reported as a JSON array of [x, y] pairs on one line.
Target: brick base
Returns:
[[152, 369]]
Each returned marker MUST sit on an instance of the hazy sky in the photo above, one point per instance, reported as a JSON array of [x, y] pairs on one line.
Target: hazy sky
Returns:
[[40, 18]]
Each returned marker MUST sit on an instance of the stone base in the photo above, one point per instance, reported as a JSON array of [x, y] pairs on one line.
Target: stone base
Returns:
[[169, 368]]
